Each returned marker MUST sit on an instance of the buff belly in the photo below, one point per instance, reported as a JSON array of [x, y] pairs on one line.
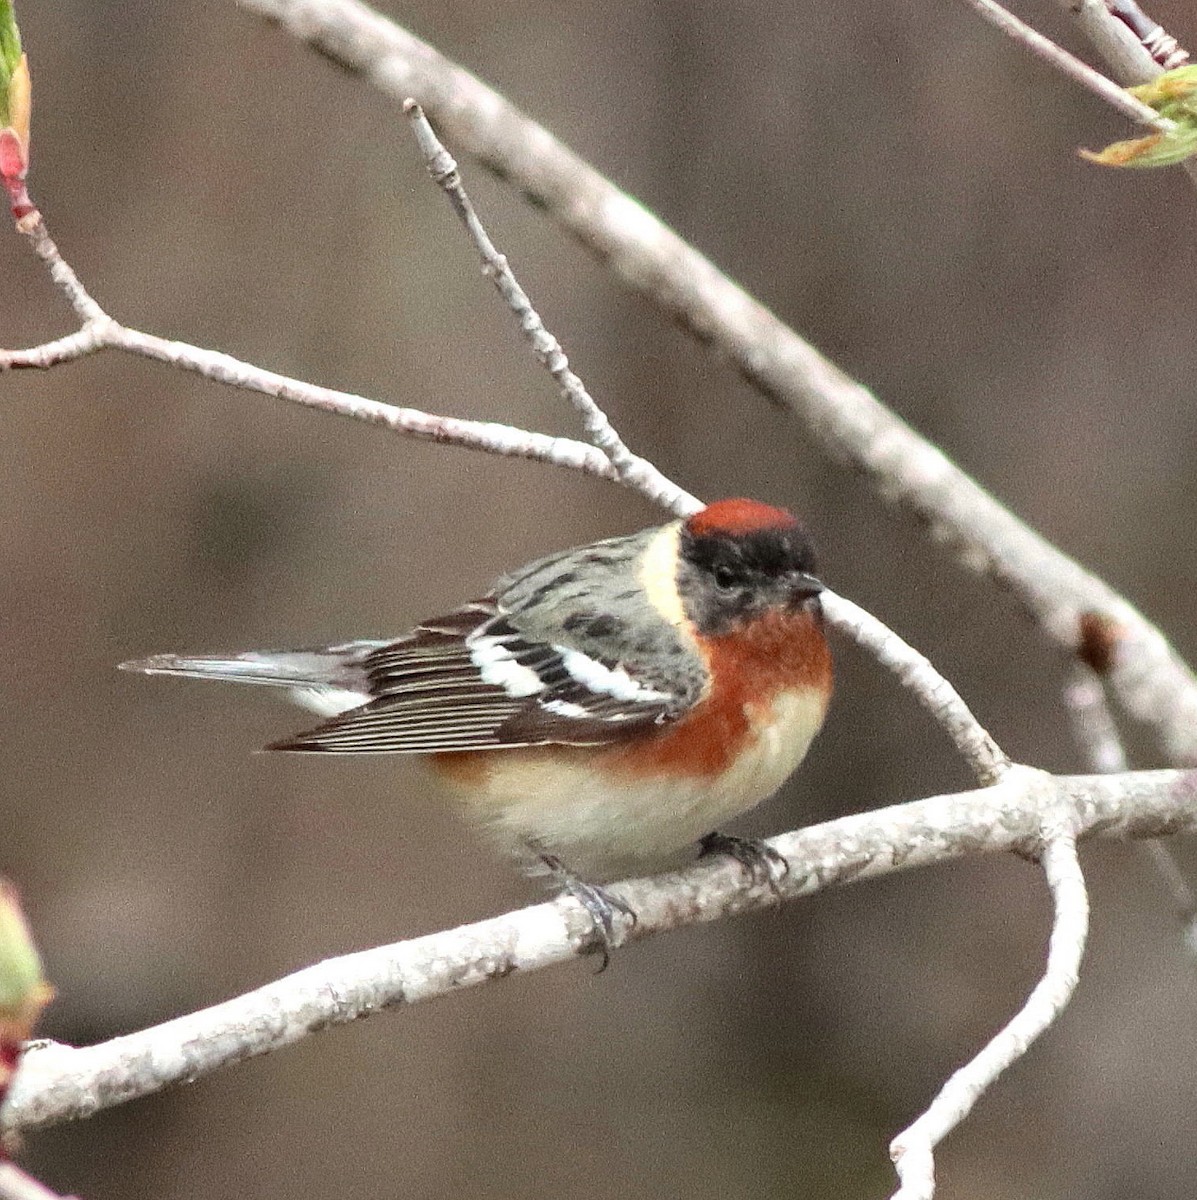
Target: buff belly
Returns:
[[590, 808]]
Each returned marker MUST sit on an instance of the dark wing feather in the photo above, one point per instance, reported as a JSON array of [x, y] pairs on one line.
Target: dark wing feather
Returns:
[[472, 680]]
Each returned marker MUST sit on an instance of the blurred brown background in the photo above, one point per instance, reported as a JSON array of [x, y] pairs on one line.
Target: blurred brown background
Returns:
[[896, 180]]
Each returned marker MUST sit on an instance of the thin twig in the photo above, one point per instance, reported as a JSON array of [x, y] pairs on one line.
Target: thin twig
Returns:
[[915, 672], [81, 344], [913, 1150], [1043, 47], [1093, 723], [443, 169], [1130, 59], [1149, 679], [86, 309], [488, 436], [57, 1083], [101, 332]]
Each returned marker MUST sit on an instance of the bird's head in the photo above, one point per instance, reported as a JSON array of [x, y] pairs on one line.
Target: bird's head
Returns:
[[741, 559]]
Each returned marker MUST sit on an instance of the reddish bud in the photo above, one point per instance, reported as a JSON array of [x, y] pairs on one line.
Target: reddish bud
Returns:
[[1098, 637]]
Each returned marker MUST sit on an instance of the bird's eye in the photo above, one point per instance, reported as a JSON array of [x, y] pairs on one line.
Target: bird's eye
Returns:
[[725, 578]]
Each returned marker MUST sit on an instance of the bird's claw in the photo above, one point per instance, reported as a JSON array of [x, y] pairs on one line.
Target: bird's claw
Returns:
[[601, 906], [764, 866]]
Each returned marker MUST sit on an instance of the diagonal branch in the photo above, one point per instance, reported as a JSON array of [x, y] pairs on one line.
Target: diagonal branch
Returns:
[[57, 1083], [599, 429], [1044, 48], [915, 672], [1149, 679]]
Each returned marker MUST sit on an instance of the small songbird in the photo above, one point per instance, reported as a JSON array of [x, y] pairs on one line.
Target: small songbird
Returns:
[[599, 709]]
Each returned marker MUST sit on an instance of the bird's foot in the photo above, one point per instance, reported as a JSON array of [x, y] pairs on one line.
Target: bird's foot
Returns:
[[764, 866], [601, 906]]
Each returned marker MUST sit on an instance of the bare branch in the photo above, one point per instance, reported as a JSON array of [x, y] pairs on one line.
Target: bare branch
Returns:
[[1131, 56], [80, 344], [1094, 725], [101, 332], [915, 672], [57, 1083], [1043, 47], [489, 436], [1093, 722], [631, 469], [913, 1150], [86, 309], [1149, 679]]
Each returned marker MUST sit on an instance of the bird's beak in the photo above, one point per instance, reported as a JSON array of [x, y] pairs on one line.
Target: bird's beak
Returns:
[[803, 587]]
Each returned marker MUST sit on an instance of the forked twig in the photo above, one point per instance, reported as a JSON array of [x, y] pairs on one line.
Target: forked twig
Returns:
[[100, 331]]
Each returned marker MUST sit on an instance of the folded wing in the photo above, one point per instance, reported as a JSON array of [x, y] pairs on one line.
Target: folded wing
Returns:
[[474, 680]]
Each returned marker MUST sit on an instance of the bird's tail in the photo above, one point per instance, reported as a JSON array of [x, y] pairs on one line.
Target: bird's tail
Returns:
[[328, 679]]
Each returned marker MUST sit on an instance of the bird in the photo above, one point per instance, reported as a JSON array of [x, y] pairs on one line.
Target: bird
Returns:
[[598, 711]]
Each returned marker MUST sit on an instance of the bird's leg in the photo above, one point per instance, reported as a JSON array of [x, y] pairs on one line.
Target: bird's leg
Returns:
[[600, 905], [765, 867]]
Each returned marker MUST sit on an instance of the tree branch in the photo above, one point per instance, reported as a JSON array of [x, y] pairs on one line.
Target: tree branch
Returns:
[[101, 332], [629, 467], [1044, 48], [913, 1150], [1093, 723], [1131, 56], [1150, 680], [57, 1083]]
